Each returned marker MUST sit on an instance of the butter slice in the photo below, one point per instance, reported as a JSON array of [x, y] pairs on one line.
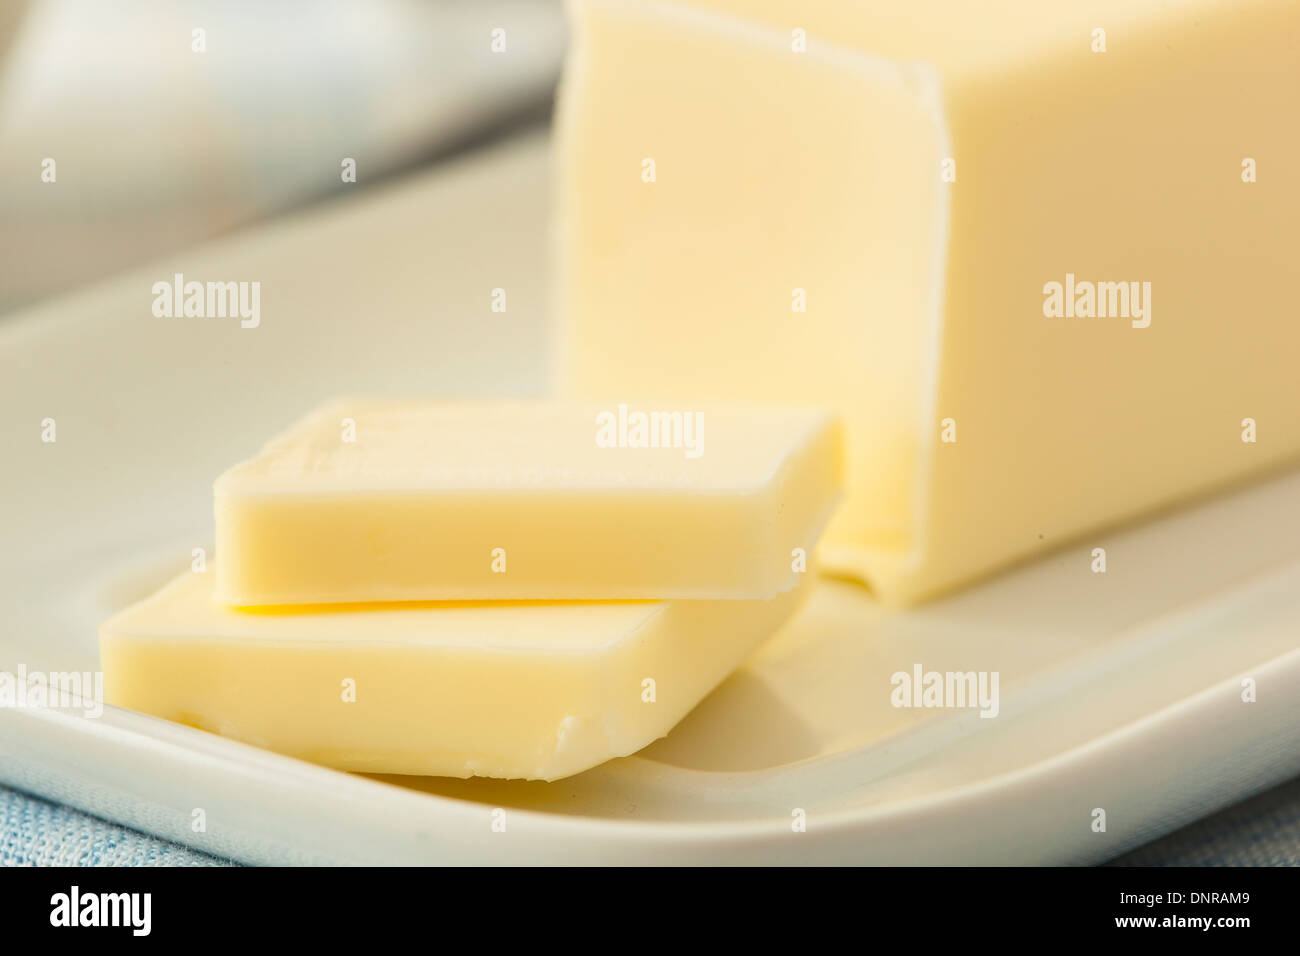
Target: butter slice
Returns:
[[387, 500], [863, 205], [535, 690]]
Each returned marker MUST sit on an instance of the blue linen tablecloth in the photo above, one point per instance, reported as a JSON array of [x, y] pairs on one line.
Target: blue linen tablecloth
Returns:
[[35, 832], [1262, 831]]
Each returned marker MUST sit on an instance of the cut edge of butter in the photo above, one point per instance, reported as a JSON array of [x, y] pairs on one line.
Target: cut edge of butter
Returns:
[[882, 565]]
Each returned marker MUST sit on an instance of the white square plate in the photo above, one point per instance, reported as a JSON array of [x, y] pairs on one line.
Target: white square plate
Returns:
[[1121, 691]]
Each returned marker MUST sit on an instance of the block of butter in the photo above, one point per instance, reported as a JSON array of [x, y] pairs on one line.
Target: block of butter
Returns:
[[387, 500], [526, 689], [1041, 255]]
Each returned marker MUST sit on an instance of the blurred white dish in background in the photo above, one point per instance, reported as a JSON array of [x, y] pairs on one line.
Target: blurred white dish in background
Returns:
[[11, 16], [157, 145]]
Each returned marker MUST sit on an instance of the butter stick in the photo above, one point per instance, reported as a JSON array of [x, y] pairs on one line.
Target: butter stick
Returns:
[[1042, 256], [524, 689]]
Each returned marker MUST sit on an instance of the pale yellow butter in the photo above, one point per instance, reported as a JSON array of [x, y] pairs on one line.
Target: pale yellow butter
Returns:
[[869, 206], [535, 690], [386, 499]]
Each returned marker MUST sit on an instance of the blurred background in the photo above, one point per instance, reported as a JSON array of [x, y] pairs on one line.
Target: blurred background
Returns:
[[162, 136]]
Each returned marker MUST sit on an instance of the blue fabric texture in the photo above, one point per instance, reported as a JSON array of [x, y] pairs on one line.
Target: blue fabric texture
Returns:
[[1262, 831], [34, 832]]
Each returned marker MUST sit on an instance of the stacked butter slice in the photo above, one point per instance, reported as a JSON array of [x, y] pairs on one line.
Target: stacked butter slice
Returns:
[[507, 589]]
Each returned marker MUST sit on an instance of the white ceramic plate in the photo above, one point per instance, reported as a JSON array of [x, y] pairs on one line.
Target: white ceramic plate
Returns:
[[1120, 691]]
